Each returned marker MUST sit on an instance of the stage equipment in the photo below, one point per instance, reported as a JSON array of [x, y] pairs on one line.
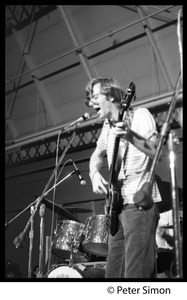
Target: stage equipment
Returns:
[[83, 270], [96, 235], [41, 246], [31, 238], [79, 209], [68, 236], [18, 242], [59, 209]]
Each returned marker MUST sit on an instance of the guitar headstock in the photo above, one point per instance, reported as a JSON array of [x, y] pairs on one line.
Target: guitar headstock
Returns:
[[129, 96]]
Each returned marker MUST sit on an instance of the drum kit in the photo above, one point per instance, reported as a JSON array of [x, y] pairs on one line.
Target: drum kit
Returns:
[[76, 243], [81, 246]]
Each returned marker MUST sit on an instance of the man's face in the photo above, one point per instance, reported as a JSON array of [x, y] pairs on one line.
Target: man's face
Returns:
[[100, 103]]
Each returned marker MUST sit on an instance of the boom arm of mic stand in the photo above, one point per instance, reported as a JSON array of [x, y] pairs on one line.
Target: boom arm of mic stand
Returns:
[[146, 190], [7, 223], [164, 131], [18, 242]]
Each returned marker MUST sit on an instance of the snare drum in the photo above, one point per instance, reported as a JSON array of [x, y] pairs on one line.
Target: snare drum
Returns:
[[86, 270], [96, 235], [67, 234]]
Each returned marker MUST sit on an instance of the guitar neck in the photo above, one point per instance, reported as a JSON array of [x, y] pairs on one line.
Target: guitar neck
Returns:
[[113, 169]]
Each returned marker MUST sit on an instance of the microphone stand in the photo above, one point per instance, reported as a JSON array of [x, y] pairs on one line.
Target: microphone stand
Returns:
[[175, 206], [18, 242], [7, 223], [41, 213], [31, 237], [144, 194]]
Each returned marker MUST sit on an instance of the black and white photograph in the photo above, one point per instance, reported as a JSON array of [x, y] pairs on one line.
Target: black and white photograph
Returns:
[[94, 147]]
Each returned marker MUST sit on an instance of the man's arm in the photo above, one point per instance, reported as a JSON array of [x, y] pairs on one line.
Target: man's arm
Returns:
[[95, 165], [146, 146]]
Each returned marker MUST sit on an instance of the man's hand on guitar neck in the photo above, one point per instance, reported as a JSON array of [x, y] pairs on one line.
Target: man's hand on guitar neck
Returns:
[[121, 129]]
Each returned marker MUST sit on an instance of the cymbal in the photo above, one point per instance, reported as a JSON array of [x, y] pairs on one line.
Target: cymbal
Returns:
[[79, 209], [79, 257], [59, 209]]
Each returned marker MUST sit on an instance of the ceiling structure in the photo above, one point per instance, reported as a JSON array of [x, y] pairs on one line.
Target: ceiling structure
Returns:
[[52, 51]]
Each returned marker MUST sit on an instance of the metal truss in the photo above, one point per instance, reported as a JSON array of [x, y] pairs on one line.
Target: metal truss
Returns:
[[85, 138], [19, 16]]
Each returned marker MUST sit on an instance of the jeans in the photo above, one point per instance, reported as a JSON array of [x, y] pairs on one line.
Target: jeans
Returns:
[[132, 250]]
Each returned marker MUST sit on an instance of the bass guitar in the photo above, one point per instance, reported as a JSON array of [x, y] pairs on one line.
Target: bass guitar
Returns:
[[113, 199]]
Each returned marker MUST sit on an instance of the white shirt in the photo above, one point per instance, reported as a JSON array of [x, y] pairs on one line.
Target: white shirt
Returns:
[[135, 165]]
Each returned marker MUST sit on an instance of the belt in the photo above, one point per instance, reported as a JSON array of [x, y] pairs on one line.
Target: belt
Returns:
[[128, 205]]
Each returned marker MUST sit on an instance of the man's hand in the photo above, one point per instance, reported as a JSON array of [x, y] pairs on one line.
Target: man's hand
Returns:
[[98, 183], [121, 129]]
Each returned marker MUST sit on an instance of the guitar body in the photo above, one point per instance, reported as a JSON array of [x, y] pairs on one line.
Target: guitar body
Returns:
[[114, 199], [114, 207]]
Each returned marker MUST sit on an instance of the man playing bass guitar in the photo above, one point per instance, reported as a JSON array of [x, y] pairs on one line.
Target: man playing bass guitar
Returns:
[[131, 245]]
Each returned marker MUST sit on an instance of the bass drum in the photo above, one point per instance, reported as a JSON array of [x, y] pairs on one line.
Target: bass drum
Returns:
[[86, 270], [64, 271]]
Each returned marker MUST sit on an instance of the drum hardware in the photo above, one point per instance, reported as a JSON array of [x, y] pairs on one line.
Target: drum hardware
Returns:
[[72, 247], [59, 209], [92, 264], [79, 210], [96, 234]]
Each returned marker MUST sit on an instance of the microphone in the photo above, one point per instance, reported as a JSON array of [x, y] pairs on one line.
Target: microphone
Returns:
[[82, 181], [81, 119], [18, 242]]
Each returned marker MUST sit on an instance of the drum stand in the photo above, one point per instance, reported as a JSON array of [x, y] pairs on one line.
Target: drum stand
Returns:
[[72, 245], [71, 254]]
